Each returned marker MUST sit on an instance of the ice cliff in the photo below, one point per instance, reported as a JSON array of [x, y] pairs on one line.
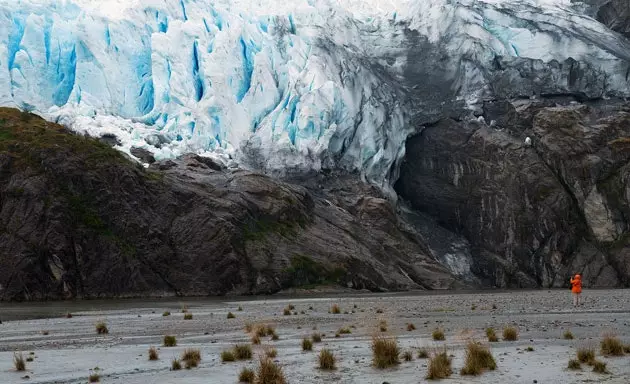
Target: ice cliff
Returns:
[[294, 86]]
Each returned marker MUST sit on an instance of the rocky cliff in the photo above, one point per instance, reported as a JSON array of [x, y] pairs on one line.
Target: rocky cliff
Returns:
[[78, 219]]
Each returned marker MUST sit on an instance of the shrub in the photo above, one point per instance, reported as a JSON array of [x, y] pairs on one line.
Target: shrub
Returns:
[[478, 359], [188, 316], [407, 356], [317, 338], [510, 334], [230, 315], [307, 344], [191, 357], [423, 353], [269, 373], [335, 309], [438, 334], [385, 352], [599, 366], [18, 362], [327, 360], [227, 356], [492, 336], [271, 353], [153, 354], [243, 351], [611, 346], [176, 365], [246, 376], [586, 355], [170, 341], [574, 364], [411, 327], [94, 378], [439, 366], [101, 328]]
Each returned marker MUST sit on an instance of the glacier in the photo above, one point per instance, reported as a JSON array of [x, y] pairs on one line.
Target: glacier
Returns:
[[291, 87]]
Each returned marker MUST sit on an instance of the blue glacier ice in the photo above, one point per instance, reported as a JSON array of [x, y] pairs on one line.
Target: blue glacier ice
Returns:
[[292, 86]]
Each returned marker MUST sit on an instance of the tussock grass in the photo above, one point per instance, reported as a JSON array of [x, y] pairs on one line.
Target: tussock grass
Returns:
[[599, 367], [567, 335], [243, 351], [68, 315], [439, 366], [240, 309], [101, 328], [529, 349], [317, 338], [307, 344], [335, 309], [611, 346], [249, 327], [423, 353], [626, 348], [411, 327], [286, 312], [94, 378], [191, 357], [153, 354], [344, 331], [478, 359], [188, 316], [227, 356], [327, 360], [510, 334], [263, 330], [45, 333], [271, 353], [18, 362], [170, 341], [407, 355], [574, 364], [230, 315], [586, 354], [382, 326], [166, 313], [176, 365], [256, 340], [269, 373], [379, 311], [438, 334], [385, 352], [246, 376], [491, 334]]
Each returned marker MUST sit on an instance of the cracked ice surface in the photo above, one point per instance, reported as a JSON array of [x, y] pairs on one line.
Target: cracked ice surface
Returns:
[[281, 86]]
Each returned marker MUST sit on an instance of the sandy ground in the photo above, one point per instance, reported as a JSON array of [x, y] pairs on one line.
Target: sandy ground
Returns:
[[71, 348]]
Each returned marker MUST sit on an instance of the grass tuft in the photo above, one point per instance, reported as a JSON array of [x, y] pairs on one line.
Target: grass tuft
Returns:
[[269, 373], [191, 357], [94, 378], [344, 331], [286, 312], [567, 335], [167, 313], [411, 327], [599, 367], [478, 359], [18, 362], [439, 366], [335, 309], [385, 352], [153, 354], [101, 328], [574, 364], [438, 334], [327, 360], [271, 353], [246, 376], [68, 315], [423, 353], [243, 351], [227, 356], [176, 365], [188, 316], [586, 355], [170, 341], [510, 334], [256, 340], [491, 334], [317, 337], [230, 315], [407, 355], [307, 344], [611, 346]]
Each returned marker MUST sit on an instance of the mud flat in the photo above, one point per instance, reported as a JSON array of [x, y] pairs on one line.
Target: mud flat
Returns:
[[65, 350]]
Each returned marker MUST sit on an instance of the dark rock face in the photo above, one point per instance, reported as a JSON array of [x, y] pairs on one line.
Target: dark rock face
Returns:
[[533, 214], [615, 14], [144, 155], [79, 220]]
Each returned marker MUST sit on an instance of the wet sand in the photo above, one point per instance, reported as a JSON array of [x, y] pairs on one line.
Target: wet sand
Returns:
[[71, 348]]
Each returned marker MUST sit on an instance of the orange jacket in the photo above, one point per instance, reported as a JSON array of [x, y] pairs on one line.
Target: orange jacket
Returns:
[[576, 284]]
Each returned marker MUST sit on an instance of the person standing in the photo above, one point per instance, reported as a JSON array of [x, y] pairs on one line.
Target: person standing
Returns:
[[576, 289]]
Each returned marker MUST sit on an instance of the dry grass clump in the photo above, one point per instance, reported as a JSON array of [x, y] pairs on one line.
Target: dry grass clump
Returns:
[[382, 326], [271, 353], [246, 376], [611, 346], [191, 357], [439, 366], [529, 349], [423, 353], [176, 365], [438, 334], [510, 334], [379, 311], [574, 364], [344, 331], [307, 344], [586, 355], [567, 335], [101, 328], [317, 337], [153, 354], [407, 355], [335, 309], [240, 309], [385, 352], [327, 360], [166, 313], [230, 315], [243, 351], [249, 327], [491, 334], [599, 367], [227, 356], [18, 362], [411, 327], [256, 340], [94, 378], [170, 341], [286, 312], [263, 330], [269, 373], [188, 316], [478, 359]]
